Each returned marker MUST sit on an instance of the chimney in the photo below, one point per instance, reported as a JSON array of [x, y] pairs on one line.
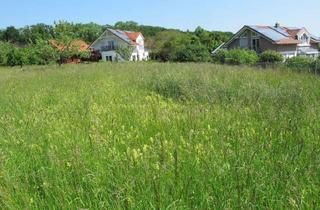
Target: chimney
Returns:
[[277, 25]]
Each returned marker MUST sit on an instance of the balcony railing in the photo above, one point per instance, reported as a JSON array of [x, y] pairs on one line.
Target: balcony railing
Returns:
[[108, 48]]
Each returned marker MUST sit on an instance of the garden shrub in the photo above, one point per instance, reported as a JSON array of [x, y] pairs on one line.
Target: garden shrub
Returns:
[[220, 57], [236, 57], [271, 57], [315, 65], [299, 63]]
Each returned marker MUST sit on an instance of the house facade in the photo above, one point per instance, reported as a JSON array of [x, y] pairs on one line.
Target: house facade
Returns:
[[289, 41], [109, 43]]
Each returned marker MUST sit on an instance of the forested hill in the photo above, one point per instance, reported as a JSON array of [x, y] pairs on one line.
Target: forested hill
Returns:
[[166, 44]]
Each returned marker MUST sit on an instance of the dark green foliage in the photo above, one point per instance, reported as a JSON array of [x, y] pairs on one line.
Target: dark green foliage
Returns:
[[315, 65], [212, 40], [5, 48], [39, 53], [30, 34], [220, 57], [241, 57], [42, 53], [299, 63], [236, 57], [193, 52], [147, 31], [179, 47], [11, 34], [271, 57]]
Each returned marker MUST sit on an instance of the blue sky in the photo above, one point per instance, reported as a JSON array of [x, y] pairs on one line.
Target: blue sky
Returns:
[[226, 15]]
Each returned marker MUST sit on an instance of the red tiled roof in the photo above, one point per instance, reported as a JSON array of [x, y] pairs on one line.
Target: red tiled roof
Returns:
[[133, 35], [293, 32], [81, 45], [288, 41]]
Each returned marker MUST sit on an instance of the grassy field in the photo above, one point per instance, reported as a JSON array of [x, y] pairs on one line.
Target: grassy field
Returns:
[[158, 136]]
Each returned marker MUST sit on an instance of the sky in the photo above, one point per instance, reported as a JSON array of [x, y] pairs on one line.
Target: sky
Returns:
[[222, 15]]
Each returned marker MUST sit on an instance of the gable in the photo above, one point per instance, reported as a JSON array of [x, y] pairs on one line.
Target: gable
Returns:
[[140, 40], [245, 32], [105, 38], [276, 35]]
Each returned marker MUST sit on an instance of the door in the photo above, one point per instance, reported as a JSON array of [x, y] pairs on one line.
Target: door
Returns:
[[256, 44]]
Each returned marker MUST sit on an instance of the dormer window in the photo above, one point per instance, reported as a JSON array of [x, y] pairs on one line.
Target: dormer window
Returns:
[[305, 39]]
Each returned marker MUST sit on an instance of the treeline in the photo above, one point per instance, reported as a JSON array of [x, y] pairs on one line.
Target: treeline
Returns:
[[31, 44]]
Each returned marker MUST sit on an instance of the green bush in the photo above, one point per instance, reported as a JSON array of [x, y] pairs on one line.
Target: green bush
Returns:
[[236, 57], [315, 66], [271, 57], [241, 57], [299, 63], [193, 53], [220, 57], [5, 49]]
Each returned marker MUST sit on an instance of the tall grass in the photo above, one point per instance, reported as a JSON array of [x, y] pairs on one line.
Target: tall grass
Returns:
[[158, 136]]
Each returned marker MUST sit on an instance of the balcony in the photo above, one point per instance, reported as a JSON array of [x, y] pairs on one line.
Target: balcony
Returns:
[[108, 48]]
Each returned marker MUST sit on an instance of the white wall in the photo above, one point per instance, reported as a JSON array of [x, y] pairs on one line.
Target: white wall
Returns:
[[113, 54], [139, 53]]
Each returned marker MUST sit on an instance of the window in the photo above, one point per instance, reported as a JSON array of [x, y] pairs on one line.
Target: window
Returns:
[[111, 45], [256, 44], [304, 38], [243, 39], [254, 35], [243, 43], [109, 58]]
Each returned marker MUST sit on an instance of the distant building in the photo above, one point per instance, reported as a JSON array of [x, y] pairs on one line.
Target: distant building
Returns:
[[111, 40], [289, 41]]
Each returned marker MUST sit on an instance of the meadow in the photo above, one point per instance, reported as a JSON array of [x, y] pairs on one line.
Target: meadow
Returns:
[[158, 136]]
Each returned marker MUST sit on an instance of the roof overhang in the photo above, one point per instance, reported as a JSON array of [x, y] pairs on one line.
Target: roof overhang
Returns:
[[275, 42], [242, 30], [108, 30]]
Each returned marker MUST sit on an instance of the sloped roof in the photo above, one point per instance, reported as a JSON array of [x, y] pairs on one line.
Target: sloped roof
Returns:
[[315, 39], [133, 35], [279, 35], [81, 45], [127, 36]]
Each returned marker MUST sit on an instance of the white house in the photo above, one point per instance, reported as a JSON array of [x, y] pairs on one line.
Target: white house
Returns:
[[111, 40]]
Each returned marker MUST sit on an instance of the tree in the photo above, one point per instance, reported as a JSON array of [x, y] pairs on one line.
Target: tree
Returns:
[[30, 34], [125, 52], [5, 49], [88, 32], [43, 53], [11, 34], [193, 53], [64, 29], [129, 25], [212, 40], [165, 44]]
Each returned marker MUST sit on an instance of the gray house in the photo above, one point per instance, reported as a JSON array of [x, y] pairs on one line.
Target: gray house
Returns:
[[289, 41]]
